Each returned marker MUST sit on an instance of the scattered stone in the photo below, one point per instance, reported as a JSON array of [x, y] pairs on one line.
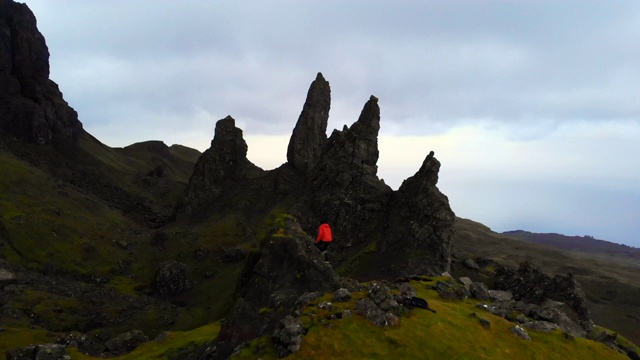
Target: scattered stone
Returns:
[[522, 333], [288, 336], [470, 264], [479, 291], [6, 278], [500, 295], [544, 326], [38, 352], [485, 323], [367, 308], [125, 342], [466, 282]]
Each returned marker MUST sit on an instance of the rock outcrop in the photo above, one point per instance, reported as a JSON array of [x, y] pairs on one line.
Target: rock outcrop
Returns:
[[31, 106], [222, 165], [287, 266], [528, 284], [172, 278], [421, 222], [310, 134]]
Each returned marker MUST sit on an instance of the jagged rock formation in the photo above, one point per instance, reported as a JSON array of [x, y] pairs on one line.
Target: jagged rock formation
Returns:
[[421, 215], [528, 284], [31, 105], [335, 179], [219, 167], [310, 134], [287, 266]]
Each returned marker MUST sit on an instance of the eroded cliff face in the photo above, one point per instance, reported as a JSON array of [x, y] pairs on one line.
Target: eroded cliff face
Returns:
[[409, 230], [31, 106]]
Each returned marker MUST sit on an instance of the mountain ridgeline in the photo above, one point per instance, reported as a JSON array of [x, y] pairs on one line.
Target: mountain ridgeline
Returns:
[[336, 179]]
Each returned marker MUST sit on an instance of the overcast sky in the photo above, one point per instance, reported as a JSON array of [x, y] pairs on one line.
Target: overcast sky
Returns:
[[533, 108]]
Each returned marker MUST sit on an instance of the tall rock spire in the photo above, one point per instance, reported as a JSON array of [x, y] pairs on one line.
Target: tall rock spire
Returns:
[[310, 133]]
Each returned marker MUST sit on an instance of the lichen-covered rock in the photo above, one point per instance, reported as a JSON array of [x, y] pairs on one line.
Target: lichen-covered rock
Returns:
[[287, 336], [171, 278], [310, 134]]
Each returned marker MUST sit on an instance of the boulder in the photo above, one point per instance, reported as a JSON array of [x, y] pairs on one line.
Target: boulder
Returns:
[[126, 342], [520, 332], [38, 352], [171, 278], [479, 291], [287, 336], [368, 309], [341, 295], [544, 326]]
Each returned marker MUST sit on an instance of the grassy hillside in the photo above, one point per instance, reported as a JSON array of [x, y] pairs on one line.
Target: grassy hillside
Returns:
[[612, 286], [453, 332]]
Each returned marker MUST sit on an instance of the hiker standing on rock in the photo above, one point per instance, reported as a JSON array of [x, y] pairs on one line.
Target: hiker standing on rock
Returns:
[[324, 238]]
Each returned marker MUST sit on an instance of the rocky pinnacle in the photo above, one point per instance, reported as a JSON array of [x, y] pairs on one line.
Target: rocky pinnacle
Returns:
[[310, 133]]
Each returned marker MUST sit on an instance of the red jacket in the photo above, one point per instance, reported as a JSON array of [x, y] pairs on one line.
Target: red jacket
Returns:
[[324, 233]]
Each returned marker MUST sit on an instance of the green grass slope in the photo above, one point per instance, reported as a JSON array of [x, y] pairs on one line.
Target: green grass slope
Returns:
[[454, 332]]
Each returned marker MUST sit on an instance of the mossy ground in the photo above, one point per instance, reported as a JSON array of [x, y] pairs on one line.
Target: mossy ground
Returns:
[[451, 333]]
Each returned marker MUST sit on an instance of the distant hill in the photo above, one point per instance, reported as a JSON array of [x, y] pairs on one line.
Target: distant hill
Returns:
[[584, 244]]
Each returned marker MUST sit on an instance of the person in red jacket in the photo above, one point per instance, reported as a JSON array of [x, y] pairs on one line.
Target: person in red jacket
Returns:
[[324, 237]]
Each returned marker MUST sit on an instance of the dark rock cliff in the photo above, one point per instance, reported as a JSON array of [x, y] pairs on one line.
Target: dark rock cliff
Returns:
[[31, 106], [335, 179]]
